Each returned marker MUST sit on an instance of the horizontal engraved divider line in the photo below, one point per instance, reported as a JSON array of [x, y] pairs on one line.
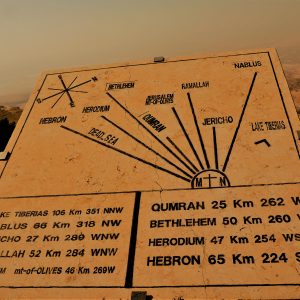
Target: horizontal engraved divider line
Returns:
[[153, 63], [153, 286], [126, 154], [62, 287], [149, 191], [217, 285]]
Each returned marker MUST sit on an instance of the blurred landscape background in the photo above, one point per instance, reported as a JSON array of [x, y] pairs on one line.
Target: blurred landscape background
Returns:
[[40, 35]]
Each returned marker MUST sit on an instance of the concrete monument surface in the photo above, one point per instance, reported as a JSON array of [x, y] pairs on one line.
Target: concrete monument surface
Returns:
[[175, 177]]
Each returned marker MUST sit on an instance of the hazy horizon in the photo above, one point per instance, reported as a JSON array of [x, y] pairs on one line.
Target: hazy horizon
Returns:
[[39, 35]]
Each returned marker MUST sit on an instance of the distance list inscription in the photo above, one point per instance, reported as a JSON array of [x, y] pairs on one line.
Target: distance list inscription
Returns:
[[76, 241], [241, 237]]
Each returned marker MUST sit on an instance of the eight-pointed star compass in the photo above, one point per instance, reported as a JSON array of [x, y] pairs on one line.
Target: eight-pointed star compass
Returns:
[[66, 90]]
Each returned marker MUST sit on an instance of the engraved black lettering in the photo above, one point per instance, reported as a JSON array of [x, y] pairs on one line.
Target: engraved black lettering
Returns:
[[53, 120], [242, 259], [160, 261], [104, 251], [242, 203], [252, 220], [195, 85], [247, 64], [180, 241], [183, 222]]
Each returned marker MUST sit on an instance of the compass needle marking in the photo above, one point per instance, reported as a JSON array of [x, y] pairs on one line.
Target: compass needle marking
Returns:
[[66, 90], [56, 89], [85, 82], [72, 104], [57, 100], [72, 81], [79, 91], [56, 94]]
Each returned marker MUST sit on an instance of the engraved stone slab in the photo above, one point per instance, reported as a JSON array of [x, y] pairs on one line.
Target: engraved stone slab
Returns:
[[178, 178]]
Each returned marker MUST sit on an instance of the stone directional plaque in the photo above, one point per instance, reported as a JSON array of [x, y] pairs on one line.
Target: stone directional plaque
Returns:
[[175, 178]]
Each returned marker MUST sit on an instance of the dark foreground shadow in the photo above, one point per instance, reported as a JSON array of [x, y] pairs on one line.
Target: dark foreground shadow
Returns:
[[6, 129]]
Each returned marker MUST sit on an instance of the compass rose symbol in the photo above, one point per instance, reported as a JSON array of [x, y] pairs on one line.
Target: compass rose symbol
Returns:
[[66, 90]]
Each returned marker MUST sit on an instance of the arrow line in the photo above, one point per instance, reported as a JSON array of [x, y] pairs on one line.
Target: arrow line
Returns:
[[187, 137], [215, 148], [239, 124], [67, 90], [147, 147], [181, 152], [150, 132], [127, 154], [262, 141], [198, 131]]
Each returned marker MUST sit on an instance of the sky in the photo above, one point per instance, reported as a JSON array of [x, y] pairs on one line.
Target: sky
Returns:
[[41, 35]]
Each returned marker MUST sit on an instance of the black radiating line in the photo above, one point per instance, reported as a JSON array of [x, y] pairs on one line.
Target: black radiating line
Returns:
[[66, 89], [79, 91], [53, 95], [198, 131], [127, 154], [181, 152], [215, 148], [187, 137], [56, 89], [75, 86], [140, 123], [240, 121], [147, 147], [72, 81], [132, 245], [58, 99]]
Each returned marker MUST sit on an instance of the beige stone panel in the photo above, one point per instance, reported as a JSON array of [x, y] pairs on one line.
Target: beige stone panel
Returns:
[[239, 237], [56, 153], [74, 241]]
